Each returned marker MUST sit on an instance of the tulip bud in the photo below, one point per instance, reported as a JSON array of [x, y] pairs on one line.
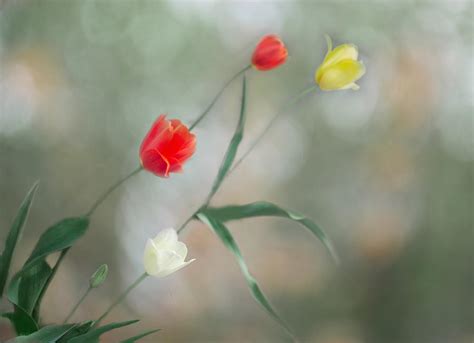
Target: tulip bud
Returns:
[[99, 276], [165, 254], [269, 53], [340, 68], [166, 147]]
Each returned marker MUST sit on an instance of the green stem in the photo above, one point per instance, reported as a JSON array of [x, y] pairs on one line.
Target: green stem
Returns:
[[203, 114], [110, 190], [270, 124], [77, 305], [292, 101], [121, 297]]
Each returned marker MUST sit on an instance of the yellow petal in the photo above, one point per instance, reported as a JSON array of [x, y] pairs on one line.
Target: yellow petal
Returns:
[[341, 52], [341, 75]]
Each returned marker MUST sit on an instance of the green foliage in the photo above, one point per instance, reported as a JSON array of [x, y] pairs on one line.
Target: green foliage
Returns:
[[77, 330], [47, 334], [99, 276], [29, 285], [23, 323], [93, 335], [226, 237], [58, 237], [234, 143], [14, 235], [267, 209], [140, 336]]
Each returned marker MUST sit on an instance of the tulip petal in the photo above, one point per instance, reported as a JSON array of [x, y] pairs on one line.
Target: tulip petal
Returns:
[[167, 272], [341, 75], [341, 52], [150, 258], [166, 239]]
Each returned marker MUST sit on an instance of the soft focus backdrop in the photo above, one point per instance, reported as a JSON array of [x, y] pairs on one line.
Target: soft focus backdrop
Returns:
[[386, 170]]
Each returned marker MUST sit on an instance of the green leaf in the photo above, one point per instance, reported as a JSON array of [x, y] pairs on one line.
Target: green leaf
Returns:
[[48, 334], [77, 331], [58, 237], [267, 209], [99, 276], [14, 235], [93, 335], [226, 237], [31, 285], [140, 336], [23, 323], [233, 145]]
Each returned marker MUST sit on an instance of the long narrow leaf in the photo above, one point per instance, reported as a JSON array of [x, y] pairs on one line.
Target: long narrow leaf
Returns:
[[47, 334], [267, 209], [58, 237], [23, 323], [14, 235], [31, 286], [78, 330], [140, 336], [226, 237], [93, 335], [234, 143]]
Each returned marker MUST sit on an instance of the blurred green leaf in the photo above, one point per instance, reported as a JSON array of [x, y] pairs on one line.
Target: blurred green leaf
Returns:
[[93, 335], [14, 235], [233, 145], [23, 323], [267, 209], [47, 334], [99, 276], [78, 330], [58, 237], [31, 285], [140, 336], [226, 237]]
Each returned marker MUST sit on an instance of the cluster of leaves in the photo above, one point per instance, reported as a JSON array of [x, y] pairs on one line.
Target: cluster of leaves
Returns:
[[28, 286]]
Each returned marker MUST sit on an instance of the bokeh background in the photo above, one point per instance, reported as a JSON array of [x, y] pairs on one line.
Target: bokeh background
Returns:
[[386, 170]]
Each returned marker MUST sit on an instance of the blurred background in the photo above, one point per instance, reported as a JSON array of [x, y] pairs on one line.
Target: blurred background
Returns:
[[386, 170]]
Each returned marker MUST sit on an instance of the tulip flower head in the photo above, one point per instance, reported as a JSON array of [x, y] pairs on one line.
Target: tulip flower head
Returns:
[[166, 147], [270, 53], [340, 68], [165, 254]]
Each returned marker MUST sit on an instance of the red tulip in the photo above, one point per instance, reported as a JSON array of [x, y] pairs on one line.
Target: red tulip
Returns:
[[166, 147], [269, 53]]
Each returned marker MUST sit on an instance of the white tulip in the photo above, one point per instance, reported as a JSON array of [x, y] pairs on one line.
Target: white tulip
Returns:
[[165, 254]]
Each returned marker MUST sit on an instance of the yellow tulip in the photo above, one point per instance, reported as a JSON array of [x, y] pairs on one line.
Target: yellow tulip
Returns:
[[340, 68]]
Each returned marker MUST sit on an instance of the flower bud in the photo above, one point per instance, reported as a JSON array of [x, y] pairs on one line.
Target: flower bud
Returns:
[[99, 276], [165, 254], [340, 68], [269, 53]]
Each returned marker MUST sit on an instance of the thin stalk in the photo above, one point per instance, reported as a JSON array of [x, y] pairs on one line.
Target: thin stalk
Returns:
[[292, 101], [77, 305], [203, 114], [121, 297], [270, 124], [110, 190]]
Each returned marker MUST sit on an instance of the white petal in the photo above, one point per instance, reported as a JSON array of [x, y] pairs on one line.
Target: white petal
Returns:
[[166, 239], [150, 258], [167, 272], [181, 249]]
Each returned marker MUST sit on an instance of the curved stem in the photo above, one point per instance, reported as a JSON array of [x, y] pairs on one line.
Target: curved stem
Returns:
[[121, 297], [293, 101], [77, 305], [110, 190], [203, 114]]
